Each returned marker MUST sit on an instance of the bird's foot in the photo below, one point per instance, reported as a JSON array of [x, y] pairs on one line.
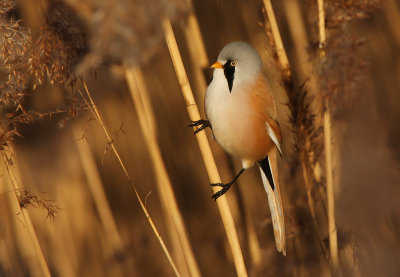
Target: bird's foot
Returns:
[[202, 123], [222, 191]]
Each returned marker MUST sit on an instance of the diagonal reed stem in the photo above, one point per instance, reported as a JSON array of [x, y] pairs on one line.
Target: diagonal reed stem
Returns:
[[198, 54], [93, 108], [205, 149], [25, 215], [100, 199], [280, 49], [147, 122]]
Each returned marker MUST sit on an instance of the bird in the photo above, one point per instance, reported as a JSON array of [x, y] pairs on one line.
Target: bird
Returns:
[[243, 116]]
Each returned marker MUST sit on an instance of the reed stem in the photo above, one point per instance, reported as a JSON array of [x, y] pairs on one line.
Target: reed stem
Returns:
[[205, 149], [321, 24], [147, 122], [93, 108], [25, 215], [280, 49], [99, 195], [333, 244]]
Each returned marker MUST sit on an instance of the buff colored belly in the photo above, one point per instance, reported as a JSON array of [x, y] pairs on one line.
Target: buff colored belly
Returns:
[[240, 130]]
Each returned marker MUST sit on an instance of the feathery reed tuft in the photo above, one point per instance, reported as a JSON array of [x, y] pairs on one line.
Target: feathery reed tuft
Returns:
[[60, 45], [15, 45], [132, 30], [307, 133]]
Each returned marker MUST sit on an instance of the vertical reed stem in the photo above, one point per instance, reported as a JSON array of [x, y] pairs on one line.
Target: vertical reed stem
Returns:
[[299, 34], [148, 126], [312, 208], [205, 149], [333, 245], [321, 23]]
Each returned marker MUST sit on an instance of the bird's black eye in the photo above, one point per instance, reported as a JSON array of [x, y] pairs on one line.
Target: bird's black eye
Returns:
[[233, 63]]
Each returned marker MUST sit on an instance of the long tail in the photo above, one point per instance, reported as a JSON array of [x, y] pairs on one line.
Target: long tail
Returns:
[[269, 174]]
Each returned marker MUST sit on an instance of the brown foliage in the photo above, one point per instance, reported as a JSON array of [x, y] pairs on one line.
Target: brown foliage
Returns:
[[60, 45], [15, 43], [132, 29]]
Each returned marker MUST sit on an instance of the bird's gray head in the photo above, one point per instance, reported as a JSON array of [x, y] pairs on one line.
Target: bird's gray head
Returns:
[[240, 62]]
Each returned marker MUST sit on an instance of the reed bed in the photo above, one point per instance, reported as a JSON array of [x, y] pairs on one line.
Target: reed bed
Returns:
[[95, 92]]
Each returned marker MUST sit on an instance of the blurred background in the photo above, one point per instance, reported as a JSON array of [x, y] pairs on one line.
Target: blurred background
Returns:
[[68, 208]]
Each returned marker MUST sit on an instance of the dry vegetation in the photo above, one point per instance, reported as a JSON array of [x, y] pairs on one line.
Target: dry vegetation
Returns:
[[101, 177]]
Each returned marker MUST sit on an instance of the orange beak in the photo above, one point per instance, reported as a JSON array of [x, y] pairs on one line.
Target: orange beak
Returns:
[[217, 65]]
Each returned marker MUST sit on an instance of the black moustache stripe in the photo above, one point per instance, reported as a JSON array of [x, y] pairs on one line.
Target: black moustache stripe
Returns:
[[229, 72]]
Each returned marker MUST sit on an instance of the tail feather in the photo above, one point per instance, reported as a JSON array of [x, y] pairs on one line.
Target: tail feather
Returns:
[[269, 174]]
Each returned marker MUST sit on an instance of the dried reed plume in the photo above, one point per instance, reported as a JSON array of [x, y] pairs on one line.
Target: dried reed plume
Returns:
[[25, 199], [132, 29], [307, 147], [59, 47], [341, 71], [15, 45]]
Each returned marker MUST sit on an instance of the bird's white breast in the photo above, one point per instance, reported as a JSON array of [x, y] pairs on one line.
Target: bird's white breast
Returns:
[[229, 113]]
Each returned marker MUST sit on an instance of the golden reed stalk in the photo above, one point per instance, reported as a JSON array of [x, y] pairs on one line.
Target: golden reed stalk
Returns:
[[147, 123], [113, 238], [333, 244], [93, 108], [198, 54], [280, 49], [205, 149], [25, 215]]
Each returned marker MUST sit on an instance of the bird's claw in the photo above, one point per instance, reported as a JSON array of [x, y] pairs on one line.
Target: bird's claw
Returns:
[[222, 191], [202, 123]]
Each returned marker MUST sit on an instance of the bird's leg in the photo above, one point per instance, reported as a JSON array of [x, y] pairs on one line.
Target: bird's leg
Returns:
[[225, 187], [202, 123]]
